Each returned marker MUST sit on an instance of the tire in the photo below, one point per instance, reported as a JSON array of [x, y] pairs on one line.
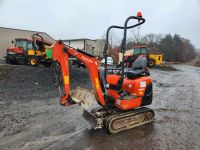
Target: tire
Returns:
[[25, 61], [33, 61], [14, 62], [8, 61], [47, 64], [151, 62]]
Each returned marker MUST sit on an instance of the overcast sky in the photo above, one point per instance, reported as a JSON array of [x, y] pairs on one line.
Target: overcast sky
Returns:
[[65, 19]]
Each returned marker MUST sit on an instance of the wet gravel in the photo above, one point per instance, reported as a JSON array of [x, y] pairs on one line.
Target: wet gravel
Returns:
[[31, 117]]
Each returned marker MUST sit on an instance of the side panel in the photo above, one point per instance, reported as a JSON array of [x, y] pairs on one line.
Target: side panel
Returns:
[[31, 52], [139, 89], [136, 86], [48, 52], [128, 104]]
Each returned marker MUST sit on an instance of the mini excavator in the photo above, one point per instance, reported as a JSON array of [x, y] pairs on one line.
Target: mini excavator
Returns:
[[121, 96]]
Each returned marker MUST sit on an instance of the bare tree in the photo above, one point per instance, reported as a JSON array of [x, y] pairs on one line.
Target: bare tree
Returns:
[[113, 39], [174, 48]]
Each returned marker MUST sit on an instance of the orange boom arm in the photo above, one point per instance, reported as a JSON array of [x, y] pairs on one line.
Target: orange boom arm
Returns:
[[61, 55]]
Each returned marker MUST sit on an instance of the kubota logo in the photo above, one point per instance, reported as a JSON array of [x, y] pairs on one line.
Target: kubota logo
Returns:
[[86, 59]]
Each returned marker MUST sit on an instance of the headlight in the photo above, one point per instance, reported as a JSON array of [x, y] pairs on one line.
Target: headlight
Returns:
[[10, 52]]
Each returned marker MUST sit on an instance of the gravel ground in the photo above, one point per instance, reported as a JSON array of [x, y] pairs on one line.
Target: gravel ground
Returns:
[[2, 61], [31, 117]]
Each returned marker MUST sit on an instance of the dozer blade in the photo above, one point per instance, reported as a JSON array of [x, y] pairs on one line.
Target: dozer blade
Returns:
[[95, 122], [128, 120]]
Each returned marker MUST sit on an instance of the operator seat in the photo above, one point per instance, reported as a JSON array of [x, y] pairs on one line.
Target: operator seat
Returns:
[[139, 68]]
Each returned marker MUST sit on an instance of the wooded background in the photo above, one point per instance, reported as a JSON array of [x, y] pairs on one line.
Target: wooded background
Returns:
[[173, 47]]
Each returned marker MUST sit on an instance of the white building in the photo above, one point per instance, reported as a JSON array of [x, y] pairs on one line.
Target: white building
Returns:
[[94, 47]]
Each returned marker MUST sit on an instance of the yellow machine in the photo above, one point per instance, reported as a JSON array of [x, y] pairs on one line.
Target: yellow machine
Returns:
[[155, 59], [33, 51], [132, 55], [41, 52], [34, 55]]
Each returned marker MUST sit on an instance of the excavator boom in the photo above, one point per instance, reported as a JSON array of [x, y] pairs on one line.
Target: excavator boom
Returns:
[[61, 55]]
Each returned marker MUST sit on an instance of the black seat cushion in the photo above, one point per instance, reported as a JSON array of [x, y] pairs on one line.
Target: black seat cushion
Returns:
[[135, 73]]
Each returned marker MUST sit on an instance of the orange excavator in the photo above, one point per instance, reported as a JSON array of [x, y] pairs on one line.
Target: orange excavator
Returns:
[[121, 93]]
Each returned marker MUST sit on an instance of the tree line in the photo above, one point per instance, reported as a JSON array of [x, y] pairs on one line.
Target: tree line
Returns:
[[173, 47]]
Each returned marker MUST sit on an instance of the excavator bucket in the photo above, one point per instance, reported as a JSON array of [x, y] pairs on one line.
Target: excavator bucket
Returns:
[[95, 122]]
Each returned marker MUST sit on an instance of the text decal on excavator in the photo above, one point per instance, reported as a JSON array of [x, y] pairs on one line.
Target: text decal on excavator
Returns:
[[86, 59]]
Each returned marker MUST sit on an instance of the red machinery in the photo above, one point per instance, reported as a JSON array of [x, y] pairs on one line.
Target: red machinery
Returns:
[[29, 51], [121, 96]]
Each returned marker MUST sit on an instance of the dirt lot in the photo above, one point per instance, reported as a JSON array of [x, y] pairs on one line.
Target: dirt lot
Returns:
[[31, 117]]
